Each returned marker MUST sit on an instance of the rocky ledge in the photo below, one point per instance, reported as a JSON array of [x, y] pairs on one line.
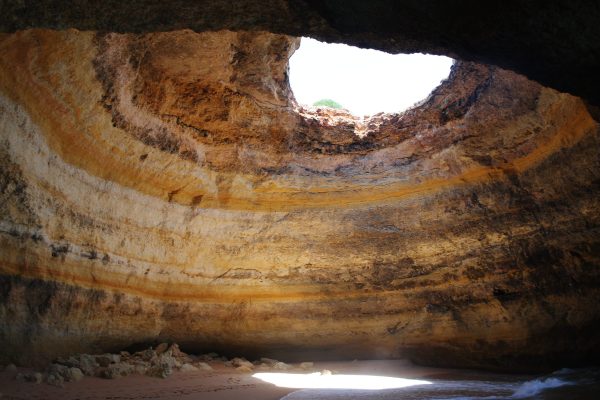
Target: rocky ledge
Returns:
[[158, 363]]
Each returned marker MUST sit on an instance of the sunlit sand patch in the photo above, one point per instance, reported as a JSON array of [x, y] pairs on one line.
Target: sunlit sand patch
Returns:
[[320, 381]]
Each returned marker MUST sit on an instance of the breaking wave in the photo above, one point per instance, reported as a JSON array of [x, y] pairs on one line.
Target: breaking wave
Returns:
[[532, 388]]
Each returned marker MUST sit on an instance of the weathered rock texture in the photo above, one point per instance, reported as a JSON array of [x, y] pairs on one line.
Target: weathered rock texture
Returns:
[[165, 187], [554, 42]]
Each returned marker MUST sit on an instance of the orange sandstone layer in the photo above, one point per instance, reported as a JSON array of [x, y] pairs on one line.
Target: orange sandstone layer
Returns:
[[166, 187]]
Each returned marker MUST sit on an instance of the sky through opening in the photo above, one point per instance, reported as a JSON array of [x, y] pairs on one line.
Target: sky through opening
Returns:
[[363, 81]]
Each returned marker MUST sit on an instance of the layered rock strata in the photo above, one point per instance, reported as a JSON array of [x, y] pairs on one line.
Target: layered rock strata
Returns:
[[166, 187], [554, 42]]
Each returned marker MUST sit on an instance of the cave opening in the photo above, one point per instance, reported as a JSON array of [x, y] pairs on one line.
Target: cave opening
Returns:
[[363, 81]]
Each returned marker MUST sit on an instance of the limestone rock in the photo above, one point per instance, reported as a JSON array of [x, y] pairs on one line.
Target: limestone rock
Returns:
[[281, 366], [147, 354], [117, 370], [167, 359], [274, 364], [511, 34], [87, 364], [241, 362], [34, 377], [307, 365], [208, 356], [268, 361], [58, 370], [162, 365], [57, 374], [188, 368], [71, 361], [75, 374], [204, 366], [84, 362], [104, 360], [176, 352], [55, 380], [161, 348], [177, 167], [160, 371], [141, 368]]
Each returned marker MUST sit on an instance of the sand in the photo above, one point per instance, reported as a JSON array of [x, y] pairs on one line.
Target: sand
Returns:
[[222, 383]]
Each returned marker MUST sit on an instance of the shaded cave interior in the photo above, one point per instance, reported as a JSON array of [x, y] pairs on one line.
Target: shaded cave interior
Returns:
[[482, 153]]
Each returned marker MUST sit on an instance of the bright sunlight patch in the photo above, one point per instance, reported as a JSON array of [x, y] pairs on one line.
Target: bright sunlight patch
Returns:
[[319, 381]]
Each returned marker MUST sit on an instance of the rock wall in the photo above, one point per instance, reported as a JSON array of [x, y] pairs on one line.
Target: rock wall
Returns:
[[166, 187], [554, 42]]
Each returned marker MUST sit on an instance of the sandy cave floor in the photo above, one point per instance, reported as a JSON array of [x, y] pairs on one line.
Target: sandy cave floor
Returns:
[[221, 383]]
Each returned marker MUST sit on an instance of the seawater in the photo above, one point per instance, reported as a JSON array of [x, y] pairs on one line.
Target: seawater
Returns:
[[565, 384]]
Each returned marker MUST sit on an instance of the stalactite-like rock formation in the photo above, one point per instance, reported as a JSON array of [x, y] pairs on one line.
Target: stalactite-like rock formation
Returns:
[[165, 186]]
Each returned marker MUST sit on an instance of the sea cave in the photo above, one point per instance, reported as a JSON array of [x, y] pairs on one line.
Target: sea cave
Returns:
[[161, 187]]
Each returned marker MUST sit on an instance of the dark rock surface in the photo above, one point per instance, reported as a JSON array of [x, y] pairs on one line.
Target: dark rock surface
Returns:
[[554, 42]]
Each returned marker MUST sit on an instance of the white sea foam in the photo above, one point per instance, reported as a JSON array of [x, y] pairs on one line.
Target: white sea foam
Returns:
[[463, 389], [531, 388]]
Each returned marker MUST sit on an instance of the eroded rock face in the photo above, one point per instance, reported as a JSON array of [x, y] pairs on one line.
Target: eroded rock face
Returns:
[[166, 187], [550, 41]]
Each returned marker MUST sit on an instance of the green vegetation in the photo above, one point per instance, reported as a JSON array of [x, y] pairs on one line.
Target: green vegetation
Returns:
[[328, 103]]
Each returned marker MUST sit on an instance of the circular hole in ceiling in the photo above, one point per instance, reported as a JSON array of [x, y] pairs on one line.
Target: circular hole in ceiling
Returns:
[[363, 81]]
